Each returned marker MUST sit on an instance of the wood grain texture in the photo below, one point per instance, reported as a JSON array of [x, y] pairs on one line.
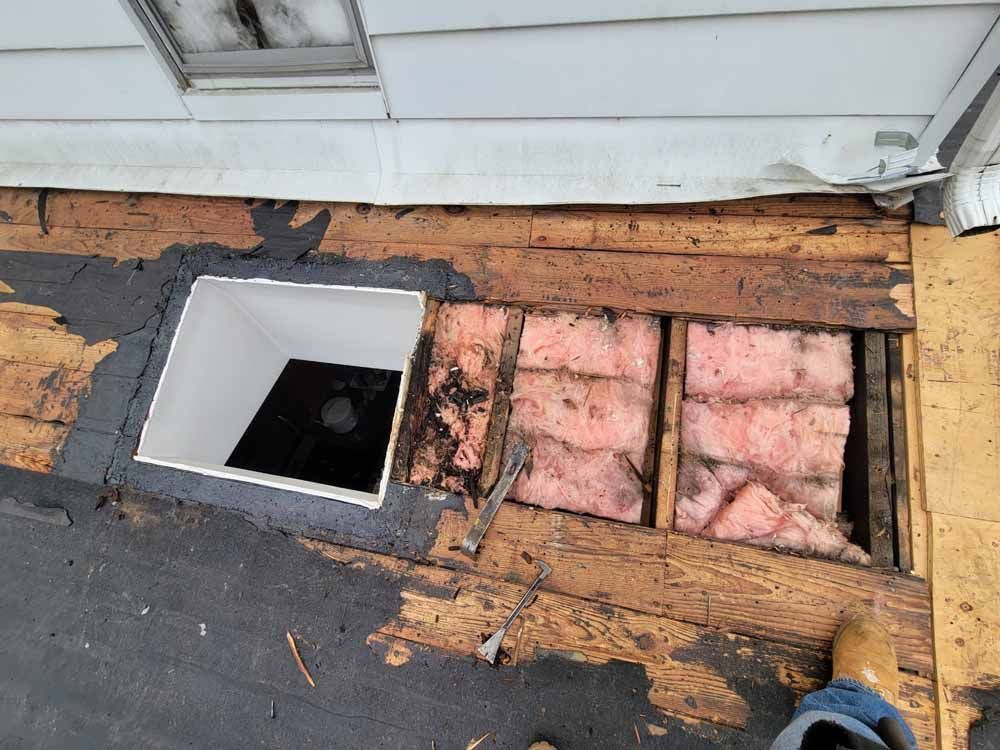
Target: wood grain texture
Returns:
[[39, 339], [690, 668], [120, 244], [752, 591], [27, 443], [798, 600], [672, 395], [44, 371], [497, 431], [958, 293], [817, 205], [919, 521], [225, 220], [900, 491], [966, 572], [955, 361], [804, 238], [591, 558], [869, 295], [48, 394]]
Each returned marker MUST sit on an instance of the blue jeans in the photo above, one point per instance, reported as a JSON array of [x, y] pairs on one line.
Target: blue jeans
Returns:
[[847, 703]]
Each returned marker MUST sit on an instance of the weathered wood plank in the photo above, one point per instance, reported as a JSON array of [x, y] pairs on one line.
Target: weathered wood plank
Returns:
[[497, 432], [48, 394], [803, 238], [120, 244], [692, 669], [858, 295], [38, 339], [752, 591], [27, 443], [673, 394], [867, 496], [230, 221], [900, 494], [919, 522], [796, 600], [416, 394], [592, 558], [820, 205]]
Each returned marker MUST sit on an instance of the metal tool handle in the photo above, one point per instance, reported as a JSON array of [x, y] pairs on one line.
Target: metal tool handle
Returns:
[[527, 595], [518, 455], [491, 647]]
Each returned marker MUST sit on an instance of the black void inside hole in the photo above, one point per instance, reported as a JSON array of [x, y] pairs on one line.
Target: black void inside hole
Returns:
[[323, 423]]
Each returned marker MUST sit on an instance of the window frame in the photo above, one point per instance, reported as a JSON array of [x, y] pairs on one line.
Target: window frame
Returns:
[[323, 64]]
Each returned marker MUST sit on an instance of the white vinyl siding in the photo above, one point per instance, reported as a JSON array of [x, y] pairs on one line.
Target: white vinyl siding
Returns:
[[897, 61]]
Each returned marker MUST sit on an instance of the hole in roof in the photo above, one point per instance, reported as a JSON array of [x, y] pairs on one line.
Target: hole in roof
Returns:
[[293, 386], [323, 423]]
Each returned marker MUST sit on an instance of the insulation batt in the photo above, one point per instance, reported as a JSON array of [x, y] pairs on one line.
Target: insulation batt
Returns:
[[627, 348], [461, 384], [588, 413], [601, 483], [783, 437], [758, 517], [704, 486], [738, 363], [583, 396]]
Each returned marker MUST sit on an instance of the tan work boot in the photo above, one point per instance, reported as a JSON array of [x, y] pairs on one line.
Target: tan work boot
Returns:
[[863, 651], [542, 746]]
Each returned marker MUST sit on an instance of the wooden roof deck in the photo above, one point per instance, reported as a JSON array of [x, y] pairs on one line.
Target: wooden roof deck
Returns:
[[705, 621]]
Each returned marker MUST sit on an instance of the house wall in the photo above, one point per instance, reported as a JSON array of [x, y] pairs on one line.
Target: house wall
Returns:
[[647, 101]]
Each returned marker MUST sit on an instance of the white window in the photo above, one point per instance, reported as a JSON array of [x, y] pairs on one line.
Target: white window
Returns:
[[257, 43]]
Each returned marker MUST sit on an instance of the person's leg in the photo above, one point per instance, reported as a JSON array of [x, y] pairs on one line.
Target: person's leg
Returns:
[[857, 708]]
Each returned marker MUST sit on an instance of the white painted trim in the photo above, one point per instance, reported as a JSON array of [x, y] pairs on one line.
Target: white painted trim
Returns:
[[504, 162], [980, 68], [983, 140], [346, 81], [407, 17], [286, 104]]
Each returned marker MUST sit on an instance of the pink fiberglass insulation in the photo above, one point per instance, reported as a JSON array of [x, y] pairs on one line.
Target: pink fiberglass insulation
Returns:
[[703, 489], [461, 384], [739, 362], [599, 482], [582, 398], [783, 437], [582, 412], [704, 486], [627, 348], [758, 517]]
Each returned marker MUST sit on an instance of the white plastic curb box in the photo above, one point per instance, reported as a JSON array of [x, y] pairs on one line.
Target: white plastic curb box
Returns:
[[234, 339]]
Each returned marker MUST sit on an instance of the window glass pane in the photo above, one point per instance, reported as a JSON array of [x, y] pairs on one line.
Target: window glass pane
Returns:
[[304, 23], [229, 25]]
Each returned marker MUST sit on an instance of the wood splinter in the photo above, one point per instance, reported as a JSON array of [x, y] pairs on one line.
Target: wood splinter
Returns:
[[298, 659]]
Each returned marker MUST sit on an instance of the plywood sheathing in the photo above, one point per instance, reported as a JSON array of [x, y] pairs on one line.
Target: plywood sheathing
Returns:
[[843, 245], [44, 371], [958, 378], [717, 584], [695, 672]]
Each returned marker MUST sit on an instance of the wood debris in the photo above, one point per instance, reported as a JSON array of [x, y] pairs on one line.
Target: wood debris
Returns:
[[298, 659]]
